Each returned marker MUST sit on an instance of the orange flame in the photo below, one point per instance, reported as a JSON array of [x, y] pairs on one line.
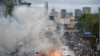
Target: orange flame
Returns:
[[55, 53], [52, 52]]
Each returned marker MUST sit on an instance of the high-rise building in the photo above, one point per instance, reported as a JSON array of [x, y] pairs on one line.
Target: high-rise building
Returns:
[[78, 14], [2, 8], [21, 2], [46, 8], [17, 2], [67, 14], [86, 10], [99, 10], [6, 6], [56, 15], [70, 14], [51, 18], [52, 13], [63, 13]]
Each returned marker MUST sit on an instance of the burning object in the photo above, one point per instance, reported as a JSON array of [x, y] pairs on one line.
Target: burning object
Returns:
[[52, 52], [55, 53]]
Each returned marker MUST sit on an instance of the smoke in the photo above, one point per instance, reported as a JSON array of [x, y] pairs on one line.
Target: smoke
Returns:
[[26, 30]]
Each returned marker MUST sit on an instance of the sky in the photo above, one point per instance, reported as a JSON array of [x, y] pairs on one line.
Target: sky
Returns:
[[69, 5]]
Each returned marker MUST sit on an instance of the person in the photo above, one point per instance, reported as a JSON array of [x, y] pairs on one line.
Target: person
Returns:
[[68, 55], [42, 54], [37, 54]]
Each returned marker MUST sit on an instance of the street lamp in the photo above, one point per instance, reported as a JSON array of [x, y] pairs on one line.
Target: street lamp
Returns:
[[99, 28], [96, 41], [99, 23]]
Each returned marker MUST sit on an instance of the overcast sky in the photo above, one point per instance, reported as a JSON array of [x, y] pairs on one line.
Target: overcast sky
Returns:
[[69, 5]]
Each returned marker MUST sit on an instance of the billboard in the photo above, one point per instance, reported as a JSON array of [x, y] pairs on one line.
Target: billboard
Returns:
[[87, 33]]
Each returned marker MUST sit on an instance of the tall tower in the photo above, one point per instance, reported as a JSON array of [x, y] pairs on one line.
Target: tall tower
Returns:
[[78, 14], [46, 8], [63, 13], [86, 10]]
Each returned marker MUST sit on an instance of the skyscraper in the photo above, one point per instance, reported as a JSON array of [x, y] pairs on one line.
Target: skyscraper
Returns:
[[17, 2], [86, 10], [46, 8], [67, 14], [52, 13], [63, 13], [99, 10], [78, 14], [2, 8], [21, 1], [70, 14]]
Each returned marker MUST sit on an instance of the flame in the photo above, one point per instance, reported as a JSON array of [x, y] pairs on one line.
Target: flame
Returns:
[[52, 52], [55, 53]]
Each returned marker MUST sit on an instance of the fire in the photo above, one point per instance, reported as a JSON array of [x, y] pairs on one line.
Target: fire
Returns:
[[55, 53], [52, 52]]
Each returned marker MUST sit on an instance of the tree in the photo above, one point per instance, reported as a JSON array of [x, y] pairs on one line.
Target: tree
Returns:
[[89, 22]]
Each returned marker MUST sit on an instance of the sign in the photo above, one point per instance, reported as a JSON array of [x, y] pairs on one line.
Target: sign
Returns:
[[87, 33]]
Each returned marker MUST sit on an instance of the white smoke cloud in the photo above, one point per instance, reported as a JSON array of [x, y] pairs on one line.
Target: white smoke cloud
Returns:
[[27, 28], [14, 28]]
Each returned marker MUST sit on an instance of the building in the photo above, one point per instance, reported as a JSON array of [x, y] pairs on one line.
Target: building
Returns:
[[7, 6], [67, 15], [25, 3], [70, 14], [78, 14], [46, 8], [54, 13], [86, 10], [2, 8], [63, 13], [20, 2], [51, 18], [17, 2], [65, 21], [72, 18], [99, 10]]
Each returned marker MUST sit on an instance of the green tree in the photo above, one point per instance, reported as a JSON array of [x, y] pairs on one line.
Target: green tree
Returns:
[[89, 22]]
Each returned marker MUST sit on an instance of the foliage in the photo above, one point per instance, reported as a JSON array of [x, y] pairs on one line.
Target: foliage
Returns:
[[89, 22]]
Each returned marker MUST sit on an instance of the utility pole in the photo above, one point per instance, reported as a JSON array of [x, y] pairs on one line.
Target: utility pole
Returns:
[[99, 24], [99, 28]]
